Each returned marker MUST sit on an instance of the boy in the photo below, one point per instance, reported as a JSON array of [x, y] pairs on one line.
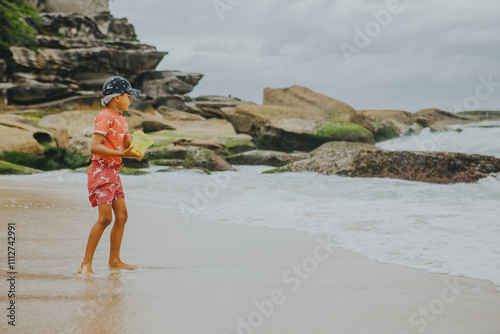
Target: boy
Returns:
[[110, 143]]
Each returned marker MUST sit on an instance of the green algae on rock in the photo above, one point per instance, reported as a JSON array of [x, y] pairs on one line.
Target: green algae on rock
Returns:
[[10, 168]]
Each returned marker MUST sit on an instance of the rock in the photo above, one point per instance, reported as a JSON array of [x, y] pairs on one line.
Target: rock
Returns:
[[167, 152], [304, 98], [3, 70], [167, 162], [79, 103], [177, 102], [71, 121], [81, 52], [61, 137], [33, 91], [177, 115], [198, 170], [87, 66], [220, 99], [438, 115], [87, 7], [289, 129], [132, 171], [10, 168], [237, 144], [154, 125], [3, 98], [80, 143], [154, 84], [269, 158], [134, 163], [19, 140], [71, 26], [146, 122], [201, 157], [214, 129], [429, 123], [388, 124], [210, 105], [360, 160], [480, 115], [17, 133], [199, 143], [117, 29]]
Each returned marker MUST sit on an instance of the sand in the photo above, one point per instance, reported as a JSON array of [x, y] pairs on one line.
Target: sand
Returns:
[[214, 278]]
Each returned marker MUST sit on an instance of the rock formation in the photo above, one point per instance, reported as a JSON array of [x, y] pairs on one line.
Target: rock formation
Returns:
[[20, 134], [269, 158], [54, 84], [388, 124], [84, 7], [204, 158], [304, 98], [287, 129], [362, 160]]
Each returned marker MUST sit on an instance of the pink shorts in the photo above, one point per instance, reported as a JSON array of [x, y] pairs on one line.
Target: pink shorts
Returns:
[[105, 185]]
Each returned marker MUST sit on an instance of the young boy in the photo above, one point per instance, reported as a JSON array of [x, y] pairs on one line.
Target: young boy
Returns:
[[110, 143]]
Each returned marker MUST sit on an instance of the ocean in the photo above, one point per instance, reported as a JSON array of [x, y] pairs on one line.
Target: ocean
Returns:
[[453, 229]]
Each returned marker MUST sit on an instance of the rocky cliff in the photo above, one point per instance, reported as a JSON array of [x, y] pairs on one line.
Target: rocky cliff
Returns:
[[78, 45]]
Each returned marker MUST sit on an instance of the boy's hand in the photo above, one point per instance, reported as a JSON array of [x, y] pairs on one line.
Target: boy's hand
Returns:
[[128, 153]]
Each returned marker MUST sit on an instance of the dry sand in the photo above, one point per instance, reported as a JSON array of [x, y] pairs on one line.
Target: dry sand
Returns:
[[214, 278]]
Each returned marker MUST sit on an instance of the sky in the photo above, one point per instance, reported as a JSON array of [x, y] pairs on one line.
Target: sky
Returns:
[[395, 54]]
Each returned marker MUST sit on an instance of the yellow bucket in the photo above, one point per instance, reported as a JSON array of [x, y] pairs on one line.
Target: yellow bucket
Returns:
[[141, 142]]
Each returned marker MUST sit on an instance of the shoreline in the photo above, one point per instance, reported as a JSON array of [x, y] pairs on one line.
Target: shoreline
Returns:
[[217, 278]]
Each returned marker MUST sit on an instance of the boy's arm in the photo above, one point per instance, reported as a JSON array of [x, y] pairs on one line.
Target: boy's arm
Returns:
[[97, 147], [126, 142]]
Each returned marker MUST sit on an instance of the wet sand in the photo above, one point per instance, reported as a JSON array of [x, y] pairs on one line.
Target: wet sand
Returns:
[[214, 278]]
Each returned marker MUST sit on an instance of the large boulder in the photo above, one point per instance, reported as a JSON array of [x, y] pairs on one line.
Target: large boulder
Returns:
[[80, 143], [304, 98], [204, 158], [17, 133], [167, 152], [289, 129], [71, 121], [19, 140], [361, 160]]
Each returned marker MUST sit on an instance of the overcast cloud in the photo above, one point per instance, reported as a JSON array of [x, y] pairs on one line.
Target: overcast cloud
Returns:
[[430, 53]]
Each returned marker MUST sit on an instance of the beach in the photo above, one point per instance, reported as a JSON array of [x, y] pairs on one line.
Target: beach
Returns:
[[206, 277]]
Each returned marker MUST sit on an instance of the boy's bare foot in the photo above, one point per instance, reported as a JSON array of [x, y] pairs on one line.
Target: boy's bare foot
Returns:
[[121, 265], [85, 269]]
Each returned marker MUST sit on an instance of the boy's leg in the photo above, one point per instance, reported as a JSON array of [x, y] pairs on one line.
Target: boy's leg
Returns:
[[105, 218], [121, 215]]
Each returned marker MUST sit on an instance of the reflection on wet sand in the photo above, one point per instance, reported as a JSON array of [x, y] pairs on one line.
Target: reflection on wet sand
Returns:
[[103, 308]]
